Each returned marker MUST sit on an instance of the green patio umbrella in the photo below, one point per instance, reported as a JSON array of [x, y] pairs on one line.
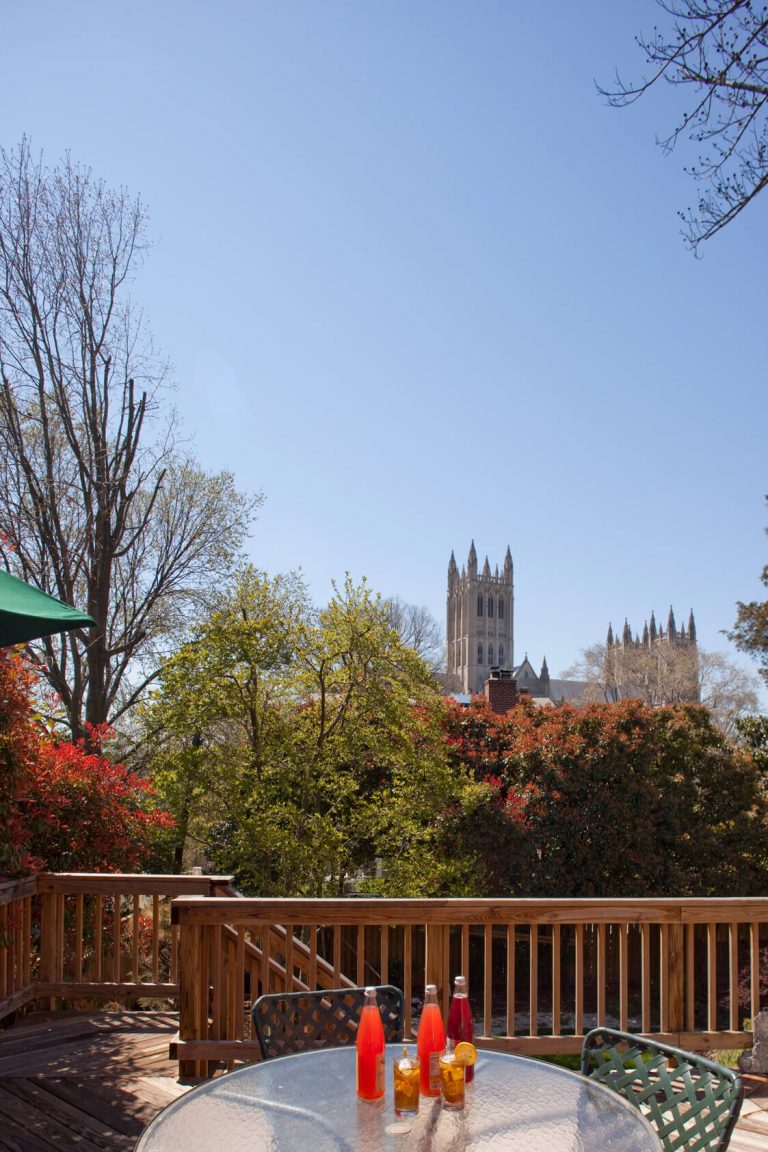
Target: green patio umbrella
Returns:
[[26, 613]]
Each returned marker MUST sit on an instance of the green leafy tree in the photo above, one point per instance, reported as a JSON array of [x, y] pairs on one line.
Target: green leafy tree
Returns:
[[293, 734], [218, 717]]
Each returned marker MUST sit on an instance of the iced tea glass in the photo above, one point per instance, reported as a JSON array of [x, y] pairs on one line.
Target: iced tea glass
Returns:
[[406, 1085], [452, 1081]]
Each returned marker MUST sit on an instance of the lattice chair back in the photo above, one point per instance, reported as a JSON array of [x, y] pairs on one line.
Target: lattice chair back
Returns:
[[692, 1102], [298, 1021]]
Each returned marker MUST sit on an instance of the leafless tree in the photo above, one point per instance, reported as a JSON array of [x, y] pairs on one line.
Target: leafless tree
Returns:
[[418, 629], [669, 674], [100, 506], [720, 49]]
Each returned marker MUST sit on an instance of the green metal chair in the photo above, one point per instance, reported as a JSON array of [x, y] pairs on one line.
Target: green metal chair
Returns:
[[298, 1021], [692, 1102]]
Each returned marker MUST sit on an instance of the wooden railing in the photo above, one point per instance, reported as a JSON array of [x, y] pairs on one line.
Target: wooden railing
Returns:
[[92, 937], [541, 972]]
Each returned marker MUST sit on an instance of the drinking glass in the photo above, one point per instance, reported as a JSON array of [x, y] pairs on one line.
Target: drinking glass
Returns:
[[406, 1085], [452, 1081]]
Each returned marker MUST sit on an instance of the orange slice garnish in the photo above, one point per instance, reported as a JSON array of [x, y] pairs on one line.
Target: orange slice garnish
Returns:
[[465, 1053]]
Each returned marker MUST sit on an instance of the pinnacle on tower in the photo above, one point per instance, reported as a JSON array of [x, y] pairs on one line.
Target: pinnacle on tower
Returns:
[[671, 626], [626, 635], [452, 569], [486, 569], [609, 637], [691, 628], [653, 633], [646, 634], [472, 561]]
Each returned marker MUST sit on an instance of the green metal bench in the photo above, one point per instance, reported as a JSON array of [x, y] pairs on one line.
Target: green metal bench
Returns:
[[298, 1021], [692, 1102]]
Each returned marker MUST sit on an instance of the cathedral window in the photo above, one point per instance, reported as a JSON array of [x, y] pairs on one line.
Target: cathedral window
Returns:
[[480, 652], [490, 653], [490, 606], [501, 609], [501, 648], [479, 605]]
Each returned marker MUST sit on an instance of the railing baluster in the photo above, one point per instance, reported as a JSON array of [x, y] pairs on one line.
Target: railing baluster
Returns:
[[510, 980], [690, 977], [488, 980], [601, 974], [711, 977], [754, 970], [556, 1021], [733, 984], [361, 981], [533, 986], [579, 981], [135, 975], [408, 981], [623, 977], [117, 924], [289, 987], [645, 976], [79, 900], [384, 954], [336, 955], [155, 938]]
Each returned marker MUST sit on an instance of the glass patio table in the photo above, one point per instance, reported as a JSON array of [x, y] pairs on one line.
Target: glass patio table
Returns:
[[308, 1102]]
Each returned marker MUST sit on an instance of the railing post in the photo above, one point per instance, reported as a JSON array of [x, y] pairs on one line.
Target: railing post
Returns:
[[190, 992], [675, 961], [49, 961]]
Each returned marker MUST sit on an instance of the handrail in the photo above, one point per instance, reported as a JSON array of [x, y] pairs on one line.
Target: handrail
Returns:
[[60, 936], [541, 971]]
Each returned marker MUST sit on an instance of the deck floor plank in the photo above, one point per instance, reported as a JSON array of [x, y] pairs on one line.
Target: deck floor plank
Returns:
[[74, 1082]]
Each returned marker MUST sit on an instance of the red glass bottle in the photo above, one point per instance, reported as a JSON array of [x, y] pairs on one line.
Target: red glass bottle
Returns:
[[370, 1050], [460, 1023], [430, 1042]]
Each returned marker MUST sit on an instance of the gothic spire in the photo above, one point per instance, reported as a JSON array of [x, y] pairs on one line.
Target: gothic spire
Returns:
[[472, 561], [646, 634], [691, 628], [609, 637], [452, 569], [486, 570], [626, 635], [671, 626], [653, 633]]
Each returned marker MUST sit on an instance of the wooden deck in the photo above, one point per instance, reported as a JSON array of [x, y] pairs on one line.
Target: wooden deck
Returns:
[[92, 1083]]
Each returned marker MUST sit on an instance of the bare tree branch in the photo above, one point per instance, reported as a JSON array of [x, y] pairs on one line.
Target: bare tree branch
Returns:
[[100, 509], [720, 47]]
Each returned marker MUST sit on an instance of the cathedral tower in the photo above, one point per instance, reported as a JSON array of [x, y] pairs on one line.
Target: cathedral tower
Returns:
[[480, 621]]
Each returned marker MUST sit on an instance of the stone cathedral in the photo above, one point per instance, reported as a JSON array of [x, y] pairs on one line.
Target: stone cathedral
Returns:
[[480, 656], [479, 630]]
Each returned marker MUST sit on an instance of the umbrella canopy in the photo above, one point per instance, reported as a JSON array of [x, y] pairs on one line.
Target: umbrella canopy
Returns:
[[26, 613]]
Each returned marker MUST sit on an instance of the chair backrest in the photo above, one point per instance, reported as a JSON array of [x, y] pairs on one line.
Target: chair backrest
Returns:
[[297, 1021], [692, 1102]]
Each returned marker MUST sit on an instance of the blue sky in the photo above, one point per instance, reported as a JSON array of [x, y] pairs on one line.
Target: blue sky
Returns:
[[419, 285]]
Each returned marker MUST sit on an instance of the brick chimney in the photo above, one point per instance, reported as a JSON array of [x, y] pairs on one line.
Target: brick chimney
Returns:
[[501, 690]]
